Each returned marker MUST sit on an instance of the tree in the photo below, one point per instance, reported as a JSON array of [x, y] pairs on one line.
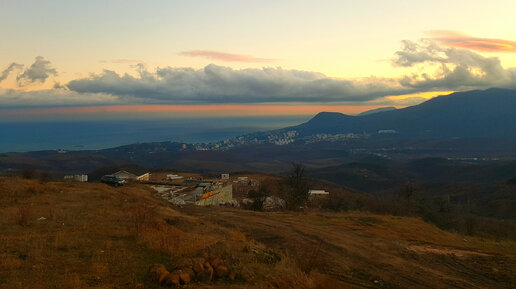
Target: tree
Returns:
[[296, 189]]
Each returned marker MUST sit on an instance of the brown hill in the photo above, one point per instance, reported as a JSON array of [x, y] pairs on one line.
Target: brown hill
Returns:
[[78, 235]]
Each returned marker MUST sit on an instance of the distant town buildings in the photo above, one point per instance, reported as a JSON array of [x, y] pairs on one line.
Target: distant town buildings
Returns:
[[387, 131], [80, 178], [318, 193]]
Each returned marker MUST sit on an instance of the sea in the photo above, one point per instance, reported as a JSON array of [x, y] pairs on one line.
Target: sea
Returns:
[[93, 135]]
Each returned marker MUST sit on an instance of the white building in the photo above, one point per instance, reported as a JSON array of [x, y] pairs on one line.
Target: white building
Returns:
[[80, 178], [174, 177], [318, 193]]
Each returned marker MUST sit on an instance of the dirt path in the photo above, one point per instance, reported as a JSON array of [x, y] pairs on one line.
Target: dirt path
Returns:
[[363, 250]]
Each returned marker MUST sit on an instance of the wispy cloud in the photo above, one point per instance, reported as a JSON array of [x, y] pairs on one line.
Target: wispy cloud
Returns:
[[222, 56], [5, 73], [456, 39], [39, 71], [52, 97], [122, 61]]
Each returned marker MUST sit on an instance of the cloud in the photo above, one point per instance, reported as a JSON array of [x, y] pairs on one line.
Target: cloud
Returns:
[[52, 97], [453, 68], [435, 68], [444, 69], [122, 61], [456, 39], [39, 71], [222, 56], [219, 84], [9, 69]]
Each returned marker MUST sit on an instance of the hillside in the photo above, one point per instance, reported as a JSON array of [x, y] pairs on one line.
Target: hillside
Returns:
[[377, 110], [479, 113], [79, 235]]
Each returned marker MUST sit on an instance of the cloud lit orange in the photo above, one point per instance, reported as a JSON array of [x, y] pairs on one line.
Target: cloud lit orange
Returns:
[[223, 56], [456, 39]]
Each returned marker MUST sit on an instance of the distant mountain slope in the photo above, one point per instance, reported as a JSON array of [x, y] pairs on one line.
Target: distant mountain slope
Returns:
[[377, 110], [478, 113]]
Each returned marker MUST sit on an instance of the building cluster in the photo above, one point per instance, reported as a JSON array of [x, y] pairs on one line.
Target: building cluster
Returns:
[[334, 137], [190, 188], [181, 190], [127, 176]]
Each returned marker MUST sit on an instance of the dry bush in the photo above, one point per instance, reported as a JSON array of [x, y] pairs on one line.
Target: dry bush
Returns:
[[44, 177], [10, 262], [157, 234], [28, 173], [287, 274], [141, 217], [74, 281], [23, 215], [236, 235], [323, 281], [35, 188], [307, 256]]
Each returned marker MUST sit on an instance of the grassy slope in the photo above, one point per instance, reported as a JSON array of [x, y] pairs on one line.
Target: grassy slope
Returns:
[[95, 236]]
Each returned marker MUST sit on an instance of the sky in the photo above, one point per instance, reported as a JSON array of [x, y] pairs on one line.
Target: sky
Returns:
[[151, 59]]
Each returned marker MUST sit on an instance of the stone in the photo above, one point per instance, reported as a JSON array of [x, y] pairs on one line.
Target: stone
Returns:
[[216, 262], [184, 277], [158, 272], [221, 271], [273, 203], [232, 275], [198, 268], [207, 274], [190, 272], [172, 279]]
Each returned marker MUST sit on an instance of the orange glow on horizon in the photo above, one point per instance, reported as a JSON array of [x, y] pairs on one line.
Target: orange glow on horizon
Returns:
[[199, 110]]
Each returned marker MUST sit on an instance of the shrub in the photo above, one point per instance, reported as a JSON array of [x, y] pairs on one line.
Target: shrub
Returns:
[[23, 215], [307, 256], [141, 217], [28, 173]]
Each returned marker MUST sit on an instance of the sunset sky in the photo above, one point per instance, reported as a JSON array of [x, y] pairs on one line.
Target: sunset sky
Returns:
[[132, 59]]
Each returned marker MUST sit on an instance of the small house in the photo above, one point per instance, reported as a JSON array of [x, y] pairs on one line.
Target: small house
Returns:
[[171, 177], [143, 178], [318, 193], [125, 175]]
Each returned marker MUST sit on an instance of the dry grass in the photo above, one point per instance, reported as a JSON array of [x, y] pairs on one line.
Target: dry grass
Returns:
[[95, 236]]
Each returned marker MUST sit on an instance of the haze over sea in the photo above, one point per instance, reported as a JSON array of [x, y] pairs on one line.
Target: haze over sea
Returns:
[[91, 135]]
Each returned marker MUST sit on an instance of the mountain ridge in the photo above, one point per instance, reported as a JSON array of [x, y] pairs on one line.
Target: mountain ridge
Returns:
[[460, 114]]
